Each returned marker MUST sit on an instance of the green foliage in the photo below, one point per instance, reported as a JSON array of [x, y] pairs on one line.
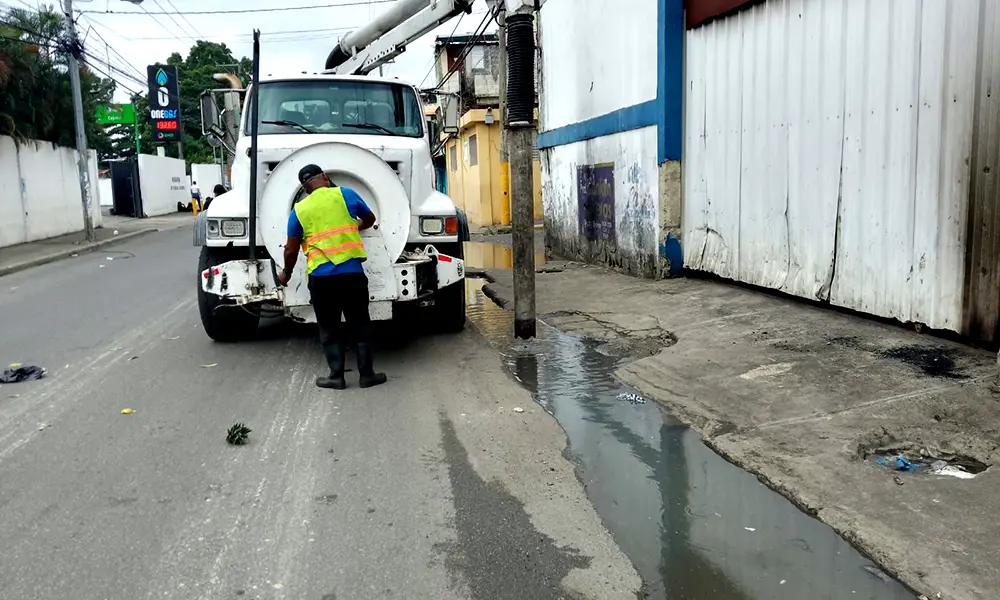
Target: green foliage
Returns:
[[35, 98], [36, 101], [238, 434], [195, 72]]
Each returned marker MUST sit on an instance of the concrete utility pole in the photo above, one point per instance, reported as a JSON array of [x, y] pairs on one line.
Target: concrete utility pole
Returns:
[[504, 138], [81, 132], [520, 119]]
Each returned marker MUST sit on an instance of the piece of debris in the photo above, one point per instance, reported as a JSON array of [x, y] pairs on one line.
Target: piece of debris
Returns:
[[42, 426], [631, 398], [897, 480], [17, 373], [133, 358], [238, 434], [109, 258], [115, 232], [210, 366], [176, 337], [74, 255], [942, 468], [518, 409], [101, 266], [750, 529], [127, 411]]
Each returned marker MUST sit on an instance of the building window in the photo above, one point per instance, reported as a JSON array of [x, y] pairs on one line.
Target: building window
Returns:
[[454, 156], [473, 151]]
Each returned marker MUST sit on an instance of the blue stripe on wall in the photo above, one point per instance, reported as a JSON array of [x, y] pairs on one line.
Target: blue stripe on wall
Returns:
[[665, 111], [625, 119]]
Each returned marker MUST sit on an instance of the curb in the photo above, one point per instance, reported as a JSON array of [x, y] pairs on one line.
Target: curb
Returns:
[[55, 256]]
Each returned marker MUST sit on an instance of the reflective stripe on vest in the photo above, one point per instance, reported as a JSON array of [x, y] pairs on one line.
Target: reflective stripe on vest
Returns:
[[330, 233]]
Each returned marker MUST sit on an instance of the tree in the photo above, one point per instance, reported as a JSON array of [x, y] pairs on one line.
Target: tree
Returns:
[[35, 97]]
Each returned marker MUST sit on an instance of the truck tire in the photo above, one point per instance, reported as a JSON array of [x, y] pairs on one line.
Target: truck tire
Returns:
[[222, 323]]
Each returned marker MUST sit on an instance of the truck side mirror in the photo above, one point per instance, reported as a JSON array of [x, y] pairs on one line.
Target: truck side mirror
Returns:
[[209, 113]]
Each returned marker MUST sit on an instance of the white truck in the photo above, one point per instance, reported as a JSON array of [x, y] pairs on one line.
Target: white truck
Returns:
[[369, 134]]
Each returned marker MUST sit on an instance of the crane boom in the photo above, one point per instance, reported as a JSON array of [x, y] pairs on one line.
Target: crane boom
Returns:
[[364, 50]]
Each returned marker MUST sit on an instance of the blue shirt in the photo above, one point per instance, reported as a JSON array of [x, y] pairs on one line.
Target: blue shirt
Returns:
[[357, 208]]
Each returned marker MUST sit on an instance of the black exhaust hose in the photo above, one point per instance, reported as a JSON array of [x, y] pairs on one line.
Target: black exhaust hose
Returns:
[[336, 57], [254, 118], [520, 70]]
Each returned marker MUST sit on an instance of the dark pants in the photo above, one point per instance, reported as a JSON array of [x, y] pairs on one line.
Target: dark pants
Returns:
[[337, 295]]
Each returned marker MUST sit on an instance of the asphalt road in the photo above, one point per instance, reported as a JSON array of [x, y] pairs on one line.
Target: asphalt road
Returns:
[[428, 487]]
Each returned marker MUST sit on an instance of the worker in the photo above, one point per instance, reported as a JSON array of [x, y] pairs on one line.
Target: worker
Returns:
[[196, 193], [326, 225]]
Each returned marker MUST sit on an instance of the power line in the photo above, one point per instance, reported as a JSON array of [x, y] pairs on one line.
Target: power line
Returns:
[[434, 59], [232, 12], [118, 54], [478, 34], [160, 23], [263, 34], [172, 18], [185, 19]]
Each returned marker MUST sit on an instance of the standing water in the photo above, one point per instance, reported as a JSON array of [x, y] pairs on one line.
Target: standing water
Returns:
[[695, 526]]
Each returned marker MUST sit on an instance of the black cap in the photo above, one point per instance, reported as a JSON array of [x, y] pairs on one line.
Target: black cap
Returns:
[[308, 172]]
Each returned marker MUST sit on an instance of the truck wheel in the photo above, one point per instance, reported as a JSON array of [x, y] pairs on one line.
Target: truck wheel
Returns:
[[449, 308], [222, 322]]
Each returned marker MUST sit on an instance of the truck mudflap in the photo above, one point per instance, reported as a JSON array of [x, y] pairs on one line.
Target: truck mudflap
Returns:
[[243, 281]]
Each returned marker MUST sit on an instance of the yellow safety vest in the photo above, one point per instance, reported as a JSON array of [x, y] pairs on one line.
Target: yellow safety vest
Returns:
[[330, 233]]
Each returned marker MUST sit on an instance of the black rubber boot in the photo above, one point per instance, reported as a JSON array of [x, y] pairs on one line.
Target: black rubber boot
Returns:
[[366, 367], [334, 356]]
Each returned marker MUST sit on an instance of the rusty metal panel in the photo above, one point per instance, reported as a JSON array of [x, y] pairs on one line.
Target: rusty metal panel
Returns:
[[698, 12], [982, 293], [825, 152]]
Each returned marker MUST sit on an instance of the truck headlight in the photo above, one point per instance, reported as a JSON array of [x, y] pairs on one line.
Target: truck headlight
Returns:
[[439, 225], [234, 227]]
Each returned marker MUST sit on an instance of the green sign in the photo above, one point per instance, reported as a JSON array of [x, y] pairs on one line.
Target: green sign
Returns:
[[113, 114]]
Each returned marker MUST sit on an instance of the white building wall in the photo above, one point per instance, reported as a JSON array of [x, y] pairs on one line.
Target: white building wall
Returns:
[[40, 191], [163, 183], [826, 151], [636, 217], [598, 56]]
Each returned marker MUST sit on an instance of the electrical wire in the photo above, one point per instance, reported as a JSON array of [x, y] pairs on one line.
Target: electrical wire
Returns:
[[434, 59], [111, 49], [233, 12], [160, 23], [263, 34], [479, 31], [171, 17], [185, 19]]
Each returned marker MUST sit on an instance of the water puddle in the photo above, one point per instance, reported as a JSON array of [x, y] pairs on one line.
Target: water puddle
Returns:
[[695, 526], [490, 255]]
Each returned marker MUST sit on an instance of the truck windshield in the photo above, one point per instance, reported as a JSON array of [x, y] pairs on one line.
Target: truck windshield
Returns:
[[341, 107]]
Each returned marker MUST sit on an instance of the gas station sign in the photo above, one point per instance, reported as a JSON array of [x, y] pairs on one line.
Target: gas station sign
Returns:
[[164, 103]]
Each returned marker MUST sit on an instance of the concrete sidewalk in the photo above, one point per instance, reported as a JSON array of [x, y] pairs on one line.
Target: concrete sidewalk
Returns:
[[112, 231], [802, 396]]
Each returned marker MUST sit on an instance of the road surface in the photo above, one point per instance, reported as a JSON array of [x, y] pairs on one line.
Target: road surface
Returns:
[[428, 487]]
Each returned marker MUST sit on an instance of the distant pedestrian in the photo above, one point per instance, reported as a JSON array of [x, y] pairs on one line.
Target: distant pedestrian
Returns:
[[326, 225], [196, 193]]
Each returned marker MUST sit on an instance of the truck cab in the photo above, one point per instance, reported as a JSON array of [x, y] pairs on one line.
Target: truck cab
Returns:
[[369, 134]]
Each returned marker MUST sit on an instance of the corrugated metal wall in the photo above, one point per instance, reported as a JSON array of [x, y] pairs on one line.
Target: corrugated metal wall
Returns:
[[828, 146]]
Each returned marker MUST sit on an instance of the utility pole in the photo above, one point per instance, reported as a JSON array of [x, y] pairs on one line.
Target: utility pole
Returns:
[[520, 117], [81, 133], [504, 138]]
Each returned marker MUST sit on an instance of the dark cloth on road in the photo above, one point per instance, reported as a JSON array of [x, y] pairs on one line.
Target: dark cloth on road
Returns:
[[16, 374]]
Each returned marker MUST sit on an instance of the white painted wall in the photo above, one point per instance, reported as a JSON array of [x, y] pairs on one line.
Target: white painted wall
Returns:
[[207, 176], [40, 191], [826, 151], [598, 56], [106, 193], [633, 153], [163, 183]]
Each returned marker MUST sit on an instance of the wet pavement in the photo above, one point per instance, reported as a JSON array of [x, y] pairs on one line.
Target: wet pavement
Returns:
[[493, 255], [695, 526]]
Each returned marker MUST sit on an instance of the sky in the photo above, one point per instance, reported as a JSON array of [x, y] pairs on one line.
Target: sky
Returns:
[[142, 39]]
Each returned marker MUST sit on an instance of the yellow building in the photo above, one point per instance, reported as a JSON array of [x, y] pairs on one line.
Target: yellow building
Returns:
[[477, 182]]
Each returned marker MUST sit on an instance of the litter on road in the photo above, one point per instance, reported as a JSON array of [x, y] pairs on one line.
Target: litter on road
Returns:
[[238, 434], [17, 373], [210, 366], [127, 411]]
